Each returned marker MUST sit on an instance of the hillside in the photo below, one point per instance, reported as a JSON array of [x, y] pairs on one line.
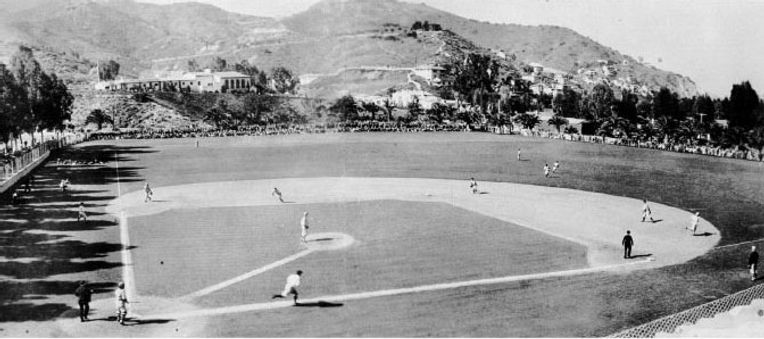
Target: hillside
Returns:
[[329, 36]]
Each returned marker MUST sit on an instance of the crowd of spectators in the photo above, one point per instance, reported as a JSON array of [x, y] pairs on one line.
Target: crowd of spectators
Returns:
[[359, 127], [717, 151], [279, 130]]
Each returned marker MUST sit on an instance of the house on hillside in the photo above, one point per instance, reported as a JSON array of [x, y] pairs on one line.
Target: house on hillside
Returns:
[[433, 74], [200, 82], [403, 98]]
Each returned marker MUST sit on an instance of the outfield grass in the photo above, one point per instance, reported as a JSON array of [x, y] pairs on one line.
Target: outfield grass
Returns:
[[728, 193]]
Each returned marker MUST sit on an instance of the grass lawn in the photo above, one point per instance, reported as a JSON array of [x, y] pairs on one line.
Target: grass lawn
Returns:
[[728, 193]]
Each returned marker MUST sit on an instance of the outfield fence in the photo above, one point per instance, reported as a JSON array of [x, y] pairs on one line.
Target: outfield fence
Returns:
[[670, 323]]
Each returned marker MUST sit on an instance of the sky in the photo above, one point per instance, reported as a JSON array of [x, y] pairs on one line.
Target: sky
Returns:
[[714, 42]]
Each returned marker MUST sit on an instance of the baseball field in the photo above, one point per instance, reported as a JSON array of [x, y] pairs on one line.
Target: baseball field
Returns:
[[398, 244]]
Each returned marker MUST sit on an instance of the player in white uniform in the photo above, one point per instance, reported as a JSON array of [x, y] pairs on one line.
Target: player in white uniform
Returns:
[[277, 193], [293, 281], [646, 212], [121, 303], [149, 192], [555, 167], [474, 186], [518, 154], [81, 214], [304, 227], [694, 222], [546, 170]]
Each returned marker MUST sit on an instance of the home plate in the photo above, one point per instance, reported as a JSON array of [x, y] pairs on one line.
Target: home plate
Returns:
[[329, 241]]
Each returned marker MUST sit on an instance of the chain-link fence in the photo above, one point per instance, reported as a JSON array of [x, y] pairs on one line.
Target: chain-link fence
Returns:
[[670, 323]]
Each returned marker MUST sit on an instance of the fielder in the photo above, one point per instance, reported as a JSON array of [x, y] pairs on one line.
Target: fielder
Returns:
[[694, 222], [753, 262], [546, 170], [304, 227], [556, 166], [277, 193], [474, 186], [293, 281], [646, 212], [518, 154], [122, 302], [81, 213], [149, 192]]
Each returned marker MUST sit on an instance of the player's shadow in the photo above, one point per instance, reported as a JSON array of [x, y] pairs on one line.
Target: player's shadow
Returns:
[[483, 192], [134, 321], [524, 160], [704, 234], [641, 256], [289, 202], [320, 303], [160, 201], [656, 221]]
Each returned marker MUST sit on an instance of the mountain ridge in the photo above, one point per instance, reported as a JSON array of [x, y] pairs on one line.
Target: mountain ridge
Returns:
[[345, 33]]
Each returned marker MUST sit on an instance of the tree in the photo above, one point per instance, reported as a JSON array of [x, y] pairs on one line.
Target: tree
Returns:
[[566, 103], [12, 99], [283, 80], [218, 64], [440, 112], [415, 110], [416, 26], [528, 121], [704, 105], [193, 66], [557, 121], [28, 74], [666, 104], [99, 118], [742, 104], [345, 108], [600, 104], [219, 115], [388, 107], [108, 70], [372, 108], [475, 80], [626, 108]]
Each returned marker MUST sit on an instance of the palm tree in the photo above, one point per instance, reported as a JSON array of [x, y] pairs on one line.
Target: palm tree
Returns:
[[98, 117], [528, 121], [557, 121]]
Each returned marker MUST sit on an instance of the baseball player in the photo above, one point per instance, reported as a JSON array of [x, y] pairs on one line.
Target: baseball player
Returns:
[[546, 170], [81, 213], [646, 212], [121, 302], [304, 227], [474, 186], [556, 166], [753, 262], [149, 192], [694, 222], [518, 154], [277, 193], [292, 282]]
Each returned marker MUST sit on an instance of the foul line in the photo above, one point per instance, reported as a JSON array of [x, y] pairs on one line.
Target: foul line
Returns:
[[738, 244], [390, 292], [128, 274], [248, 275]]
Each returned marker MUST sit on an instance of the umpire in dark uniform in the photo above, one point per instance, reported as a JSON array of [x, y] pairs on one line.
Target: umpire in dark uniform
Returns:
[[627, 243], [84, 293]]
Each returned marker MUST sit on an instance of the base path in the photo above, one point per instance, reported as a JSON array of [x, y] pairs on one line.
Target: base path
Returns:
[[597, 221]]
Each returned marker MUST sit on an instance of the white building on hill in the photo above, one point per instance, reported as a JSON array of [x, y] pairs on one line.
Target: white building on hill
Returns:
[[201, 82]]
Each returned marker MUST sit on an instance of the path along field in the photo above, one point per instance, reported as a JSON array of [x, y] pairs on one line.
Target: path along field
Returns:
[[591, 303]]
